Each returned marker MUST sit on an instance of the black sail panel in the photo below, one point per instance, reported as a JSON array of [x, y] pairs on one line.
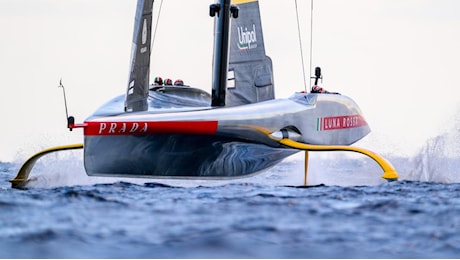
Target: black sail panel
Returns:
[[138, 84], [250, 77]]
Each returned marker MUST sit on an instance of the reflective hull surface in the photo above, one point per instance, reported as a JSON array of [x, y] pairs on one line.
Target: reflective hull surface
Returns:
[[179, 156], [197, 141]]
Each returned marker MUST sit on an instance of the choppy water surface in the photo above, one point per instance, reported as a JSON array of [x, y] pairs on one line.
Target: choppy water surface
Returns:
[[259, 219]]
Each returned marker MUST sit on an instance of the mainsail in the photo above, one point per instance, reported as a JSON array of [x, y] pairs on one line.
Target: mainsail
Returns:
[[138, 84], [250, 76]]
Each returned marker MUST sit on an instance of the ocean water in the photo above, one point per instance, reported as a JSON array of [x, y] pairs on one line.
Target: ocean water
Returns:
[[347, 211]]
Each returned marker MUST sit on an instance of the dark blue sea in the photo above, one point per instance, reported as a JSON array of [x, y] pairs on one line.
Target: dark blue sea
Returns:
[[347, 211]]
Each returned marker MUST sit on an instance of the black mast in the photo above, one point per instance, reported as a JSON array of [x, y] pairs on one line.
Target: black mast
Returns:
[[223, 9]]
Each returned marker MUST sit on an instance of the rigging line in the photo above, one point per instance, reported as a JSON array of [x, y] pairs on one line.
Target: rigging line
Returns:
[[156, 25], [301, 48], [65, 99], [311, 40]]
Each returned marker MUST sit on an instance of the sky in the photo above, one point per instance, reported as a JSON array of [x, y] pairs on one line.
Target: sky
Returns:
[[398, 60]]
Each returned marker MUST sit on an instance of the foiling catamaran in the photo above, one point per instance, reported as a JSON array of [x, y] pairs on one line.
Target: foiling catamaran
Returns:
[[240, 129]]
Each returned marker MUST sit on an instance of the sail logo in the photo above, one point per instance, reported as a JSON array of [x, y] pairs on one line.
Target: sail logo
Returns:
[[340, 122], [144, 36], [144, 32], [247, 39]]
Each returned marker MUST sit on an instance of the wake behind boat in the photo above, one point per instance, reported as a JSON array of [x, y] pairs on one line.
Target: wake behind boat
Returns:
[[179, 131]]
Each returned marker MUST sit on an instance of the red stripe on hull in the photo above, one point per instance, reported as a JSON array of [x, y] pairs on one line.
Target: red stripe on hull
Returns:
[[146, 128]]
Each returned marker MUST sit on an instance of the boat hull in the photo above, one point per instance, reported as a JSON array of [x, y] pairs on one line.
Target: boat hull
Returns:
[[178, 156], [196, 141]]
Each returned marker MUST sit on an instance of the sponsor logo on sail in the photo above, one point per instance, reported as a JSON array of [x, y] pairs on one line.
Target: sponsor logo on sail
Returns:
[[340, 122], [144, 32], [247, 39], [144, 36]]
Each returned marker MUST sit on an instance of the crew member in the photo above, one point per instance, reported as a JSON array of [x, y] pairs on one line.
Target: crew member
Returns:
[[168, 82], [178, 82], [317, 89], [158, 81]]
